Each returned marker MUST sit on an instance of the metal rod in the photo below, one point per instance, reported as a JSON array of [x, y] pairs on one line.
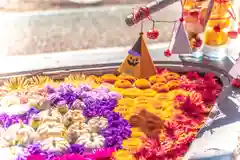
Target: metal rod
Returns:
[[153, 7]]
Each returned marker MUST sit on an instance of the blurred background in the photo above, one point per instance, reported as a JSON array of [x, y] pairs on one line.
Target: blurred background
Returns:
[[46, 26]]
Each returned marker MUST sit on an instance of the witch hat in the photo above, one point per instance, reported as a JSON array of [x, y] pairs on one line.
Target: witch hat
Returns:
[[138, 63]]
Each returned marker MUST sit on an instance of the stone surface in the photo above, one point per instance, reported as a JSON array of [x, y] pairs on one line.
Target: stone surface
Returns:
[[29, 5], [76, 29]]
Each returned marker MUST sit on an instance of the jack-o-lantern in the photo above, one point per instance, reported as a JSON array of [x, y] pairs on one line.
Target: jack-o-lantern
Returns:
[[131, 65], [138, 63]]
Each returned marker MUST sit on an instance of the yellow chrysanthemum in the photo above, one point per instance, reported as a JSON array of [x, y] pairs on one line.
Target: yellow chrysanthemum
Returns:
[[16, 83], [40, 81], [132, 92], [119, 90], [126, 102], [149, 93], [131, 144], [136, 133], [76, 79], [123, 155], [123, 110]]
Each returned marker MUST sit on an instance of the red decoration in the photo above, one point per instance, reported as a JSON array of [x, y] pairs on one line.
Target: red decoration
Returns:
[[236, 82], [167, 53], [140, 14], [153, 33], [232, 34], [217, 28], [198, 43], [239, 30], [181, 19]]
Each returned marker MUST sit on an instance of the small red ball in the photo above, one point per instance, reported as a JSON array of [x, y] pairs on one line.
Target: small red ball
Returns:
[[181, 19], [167, 53], [153, 34]]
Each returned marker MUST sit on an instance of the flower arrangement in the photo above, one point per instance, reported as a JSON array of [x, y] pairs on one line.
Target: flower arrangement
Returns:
[[150, 119]]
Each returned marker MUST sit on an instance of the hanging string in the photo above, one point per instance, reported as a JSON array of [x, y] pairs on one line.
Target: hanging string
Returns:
[[172, 33]]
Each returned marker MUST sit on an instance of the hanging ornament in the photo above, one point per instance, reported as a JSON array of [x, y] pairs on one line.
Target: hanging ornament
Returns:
[[153, 33], [167, 53]]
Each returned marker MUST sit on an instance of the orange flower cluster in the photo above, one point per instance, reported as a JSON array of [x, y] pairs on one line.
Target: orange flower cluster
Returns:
[[192, 99]]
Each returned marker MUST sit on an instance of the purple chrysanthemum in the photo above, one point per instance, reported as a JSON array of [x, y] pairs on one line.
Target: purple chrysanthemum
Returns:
[[96, 102], [76, 149], [8, 120]]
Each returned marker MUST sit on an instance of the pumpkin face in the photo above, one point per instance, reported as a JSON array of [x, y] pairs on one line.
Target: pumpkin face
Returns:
[[10, 100], [75, 130], [55, 144], [91, 140], [73, 116], [21, 133], [10, 153], [51, 129], [97, 123], [50, 115]]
